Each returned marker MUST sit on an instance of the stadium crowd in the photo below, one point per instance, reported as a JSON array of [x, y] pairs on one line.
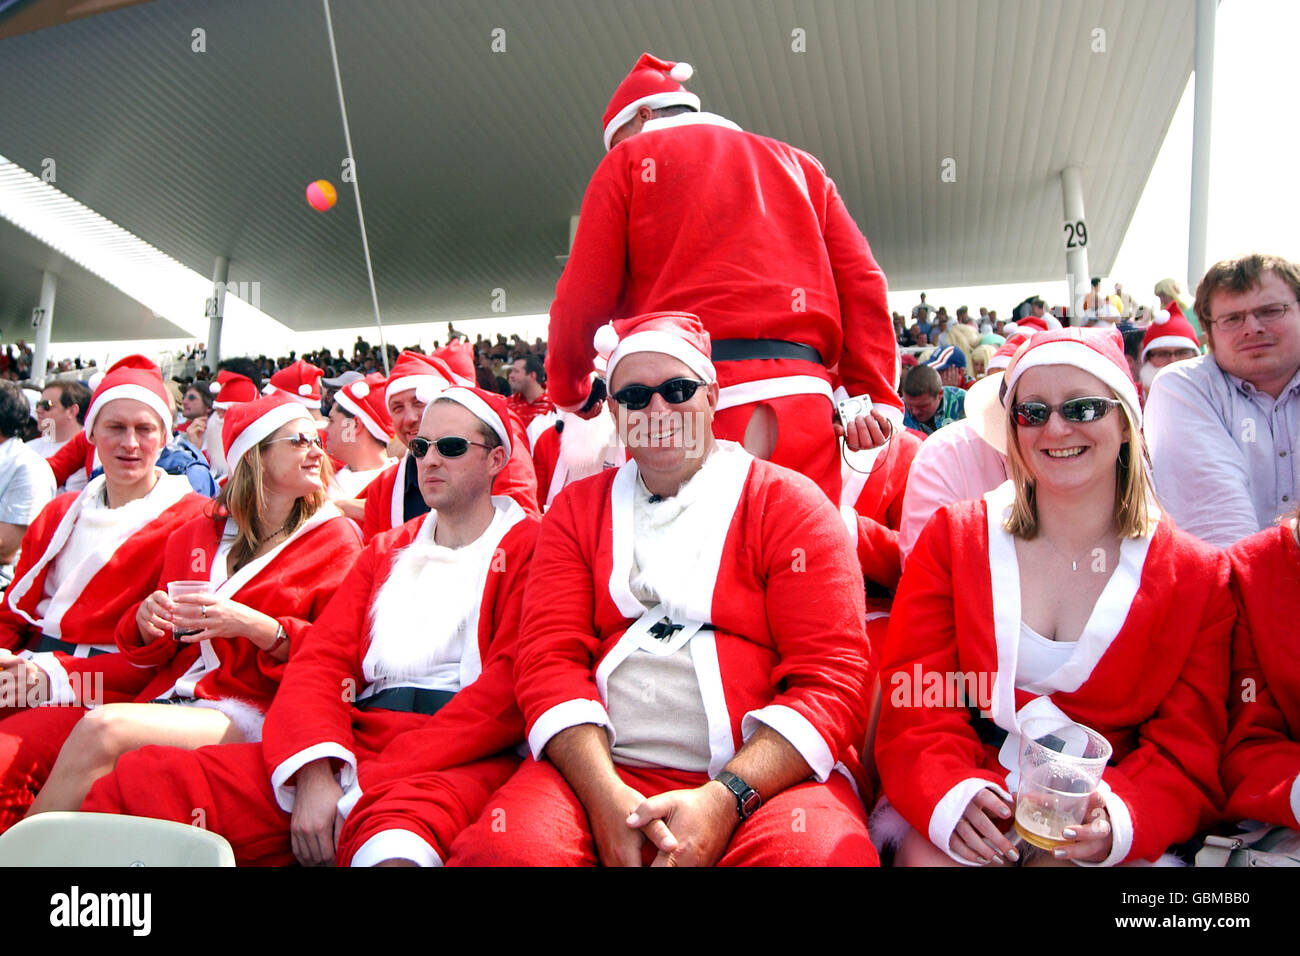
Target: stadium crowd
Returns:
[[710, 559]]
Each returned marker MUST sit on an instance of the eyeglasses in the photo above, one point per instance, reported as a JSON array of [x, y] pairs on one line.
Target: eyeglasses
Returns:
[[300, 441], [44, 405], [1265, 313], [452, 446], [675, 391], [1077, 410]]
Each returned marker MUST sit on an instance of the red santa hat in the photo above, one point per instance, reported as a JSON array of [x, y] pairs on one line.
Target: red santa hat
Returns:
[[1097, 351], [654, 83], [679, 334], [231, 389], [459, 357], [1002, 357], [300, 381], [488, 407], [424, 373], [365, 400], [133, 377], [1168, 331], [1038, 323], [247, 423]]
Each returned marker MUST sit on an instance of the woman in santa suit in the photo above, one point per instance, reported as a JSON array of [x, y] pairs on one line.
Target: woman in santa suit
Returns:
[[272, 550], [1063, 594], [1261, 764]]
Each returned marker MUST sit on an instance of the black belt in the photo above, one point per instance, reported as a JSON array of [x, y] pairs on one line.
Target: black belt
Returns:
[[409, 700], [987, 731], [739, 350], [875, 590], [47, 644]]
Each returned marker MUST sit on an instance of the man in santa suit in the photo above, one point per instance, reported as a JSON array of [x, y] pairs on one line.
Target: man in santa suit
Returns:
[[394, 497], [687, 211], [1168, 339], [87, 561], [528, 398], [299, 381], [420, 636], [358, 434], [692, 665]]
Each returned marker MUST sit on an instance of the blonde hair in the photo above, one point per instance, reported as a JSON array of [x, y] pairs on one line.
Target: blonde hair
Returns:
[[1131, 516], [1171, 288], [981, 355], [243, 498], [965, 337]]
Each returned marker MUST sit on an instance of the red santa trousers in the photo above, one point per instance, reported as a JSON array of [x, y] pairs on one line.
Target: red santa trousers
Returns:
[[434, 806], [537, 820], [30, 741], [225, 789], [805, 436]]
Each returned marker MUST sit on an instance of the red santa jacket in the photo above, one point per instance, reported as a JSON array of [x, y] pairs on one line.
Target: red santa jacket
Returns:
[[109, 584], [874, 503], [313, 715], [778, 584], [1149, 673], [77, 453], [1261, 760], [746, 232], [291, 583], [385, 501]]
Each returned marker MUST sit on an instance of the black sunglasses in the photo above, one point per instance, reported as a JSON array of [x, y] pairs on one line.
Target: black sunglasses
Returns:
[[1078, 410], [44, 404], [450, 447], [675, 391]]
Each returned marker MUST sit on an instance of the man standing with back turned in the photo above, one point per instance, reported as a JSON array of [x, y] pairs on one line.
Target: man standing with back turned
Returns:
[[689, 212]]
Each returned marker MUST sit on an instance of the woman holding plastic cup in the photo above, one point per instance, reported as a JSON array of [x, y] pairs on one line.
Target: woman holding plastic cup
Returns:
[[257, 570], [1062, 602]]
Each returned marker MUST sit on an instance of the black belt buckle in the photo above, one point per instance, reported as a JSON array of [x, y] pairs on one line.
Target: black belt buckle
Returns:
[[664, 629]]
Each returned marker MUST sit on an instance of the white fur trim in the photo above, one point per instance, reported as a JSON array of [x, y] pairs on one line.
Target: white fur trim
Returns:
[[1084, 357], [285, 792], [139, 393], [367, 420], [666, 343], [1295, 799], [245, 716], [396, 845], [481, 410], [850, 519], [887, 827], [570, 713], [655, 101], [798, 732], [60, 694], [260, 428], [766, 389], [421, 384]]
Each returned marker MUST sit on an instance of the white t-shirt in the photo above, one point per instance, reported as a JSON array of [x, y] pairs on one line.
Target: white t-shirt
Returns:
[[26, 487]]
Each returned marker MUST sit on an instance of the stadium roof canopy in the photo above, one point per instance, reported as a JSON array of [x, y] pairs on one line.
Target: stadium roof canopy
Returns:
[[476, 125]]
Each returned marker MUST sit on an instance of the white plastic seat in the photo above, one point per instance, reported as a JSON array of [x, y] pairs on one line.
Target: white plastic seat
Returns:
[[110, 839]]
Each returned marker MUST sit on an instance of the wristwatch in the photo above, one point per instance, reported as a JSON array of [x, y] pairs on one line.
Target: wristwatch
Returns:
[[281, 635], [747, 798]]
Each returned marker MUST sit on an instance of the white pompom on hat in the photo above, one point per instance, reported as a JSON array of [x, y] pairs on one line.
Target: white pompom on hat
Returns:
[[364, 400]]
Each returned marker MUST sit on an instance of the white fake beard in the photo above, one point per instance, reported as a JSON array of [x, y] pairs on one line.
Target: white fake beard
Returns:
[[421, 609], [1147, 375], [586, 444]]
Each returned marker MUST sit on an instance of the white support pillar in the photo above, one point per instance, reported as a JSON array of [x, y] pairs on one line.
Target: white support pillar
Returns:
[[1199, 213], [216, 310], [1075, 239], [42, 319]]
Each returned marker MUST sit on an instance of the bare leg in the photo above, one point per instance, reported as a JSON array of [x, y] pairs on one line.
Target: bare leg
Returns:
[[395, 863], [917, 850], [106, 733]]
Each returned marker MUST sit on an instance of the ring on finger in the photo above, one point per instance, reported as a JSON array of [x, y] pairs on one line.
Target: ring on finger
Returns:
[[203, 611]]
